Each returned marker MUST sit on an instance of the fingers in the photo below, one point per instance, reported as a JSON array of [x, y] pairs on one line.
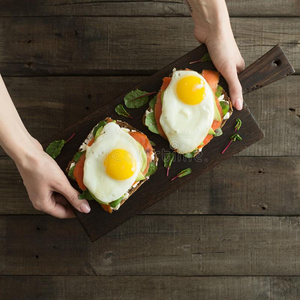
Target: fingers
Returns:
[[235, 89], [72, 196]]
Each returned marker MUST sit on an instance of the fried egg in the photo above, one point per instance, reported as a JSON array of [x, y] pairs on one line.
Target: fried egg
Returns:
[[187, 110], [112, 163]]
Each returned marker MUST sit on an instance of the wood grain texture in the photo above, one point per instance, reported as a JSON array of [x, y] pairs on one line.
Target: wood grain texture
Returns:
[[142, 8], [149, 287], [268, 186], [65, 46], [50, 104], [152, 245], [98, 222]]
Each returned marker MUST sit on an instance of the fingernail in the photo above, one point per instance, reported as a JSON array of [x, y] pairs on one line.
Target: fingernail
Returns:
[[85, 208], [239, 104]]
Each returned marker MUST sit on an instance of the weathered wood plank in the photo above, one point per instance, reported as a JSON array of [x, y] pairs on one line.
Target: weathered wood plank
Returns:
[[140, 8], [267, 186], [149, 287], [51, 104], [131, 45], [152, 245]]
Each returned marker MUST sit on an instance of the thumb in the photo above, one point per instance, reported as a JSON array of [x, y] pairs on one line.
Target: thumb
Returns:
[[235, 88], [72, 196]]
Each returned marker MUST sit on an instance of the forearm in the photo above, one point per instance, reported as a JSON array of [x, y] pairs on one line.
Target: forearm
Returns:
[[14, 138], [210, 15]]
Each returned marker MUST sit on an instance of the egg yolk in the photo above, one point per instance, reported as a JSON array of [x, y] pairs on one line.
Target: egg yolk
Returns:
[[119, 164], [191, 90]]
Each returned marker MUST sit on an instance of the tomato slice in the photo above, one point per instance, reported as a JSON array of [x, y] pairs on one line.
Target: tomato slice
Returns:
[[78, 172]]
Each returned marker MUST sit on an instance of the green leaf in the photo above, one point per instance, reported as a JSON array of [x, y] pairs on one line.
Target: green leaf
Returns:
[[151, 123], [70, 172], [115, 203], [121, 111], [98, 132], [185, 172], [238, 124], [153, 102], [152, 143], [168, 159], [236, 137], [219, 91], [225, 107], [100, 124], [152, 169], [191, 154], [136, 98], [55, 147], [86, 195], [77, 156], [205, 57]]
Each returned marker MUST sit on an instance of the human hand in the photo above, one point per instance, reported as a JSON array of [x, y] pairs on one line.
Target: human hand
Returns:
[[212, 27], [48, 188]]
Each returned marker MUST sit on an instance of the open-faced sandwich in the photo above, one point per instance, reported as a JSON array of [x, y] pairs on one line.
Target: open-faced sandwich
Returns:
[[189, 110], [112, 163]]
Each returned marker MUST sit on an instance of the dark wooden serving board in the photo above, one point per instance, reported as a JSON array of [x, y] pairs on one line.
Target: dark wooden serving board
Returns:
[[272, 66]]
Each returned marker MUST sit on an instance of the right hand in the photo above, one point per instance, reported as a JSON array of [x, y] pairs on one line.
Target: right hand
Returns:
[[48, 188]]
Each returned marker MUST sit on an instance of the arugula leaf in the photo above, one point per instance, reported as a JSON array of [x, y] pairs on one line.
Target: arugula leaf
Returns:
[[86, 195], [136, 98], [55, 147], [152, 169], [115, 203], [100, 124], [225, 107], [219, 91], [152, 143], [153, 102], [70, 172], [121, 111], [168, 160], [191, 154], [183, 173], [151, 123]]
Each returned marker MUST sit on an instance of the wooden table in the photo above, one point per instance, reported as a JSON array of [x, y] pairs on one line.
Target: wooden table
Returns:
[[232, 234]]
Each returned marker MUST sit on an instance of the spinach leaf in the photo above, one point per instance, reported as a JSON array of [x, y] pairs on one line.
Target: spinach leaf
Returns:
[[152, 169], [86, 195], [191, 154], [77, 156], [121, 111], [153, 102], [55, 147], [205, 57], [70, 172], [115, 203], [136, 98], [151, 123]]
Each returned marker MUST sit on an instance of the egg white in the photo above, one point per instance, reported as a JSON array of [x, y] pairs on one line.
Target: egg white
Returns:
[[101, 185], [185, 125]]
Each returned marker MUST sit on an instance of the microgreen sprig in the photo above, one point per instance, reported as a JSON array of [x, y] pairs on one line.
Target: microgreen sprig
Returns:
[[238, 124], [183, 173], [233, 138]]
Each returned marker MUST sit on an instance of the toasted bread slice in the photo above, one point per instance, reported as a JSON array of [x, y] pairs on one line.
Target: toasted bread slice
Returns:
[[136, 185]]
